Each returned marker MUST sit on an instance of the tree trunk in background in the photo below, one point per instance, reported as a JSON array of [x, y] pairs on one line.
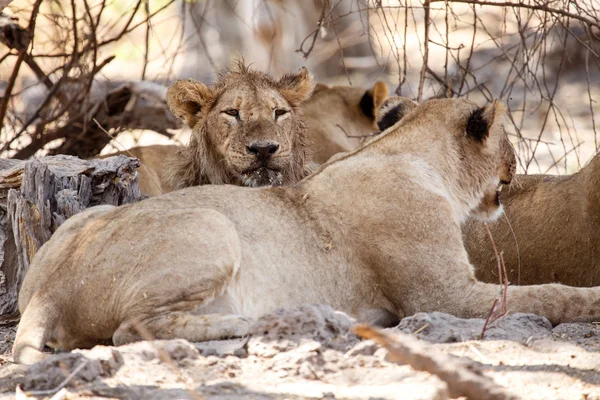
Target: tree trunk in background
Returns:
[[267, 34], [37, 196]]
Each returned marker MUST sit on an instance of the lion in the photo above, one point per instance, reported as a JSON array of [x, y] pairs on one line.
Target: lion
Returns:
[[375, 233], [349, 118], [247, 129], [341, 118], [550, 233]]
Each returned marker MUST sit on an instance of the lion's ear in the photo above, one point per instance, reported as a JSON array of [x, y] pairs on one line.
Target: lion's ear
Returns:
[[186, 98], [393, 110], [482, 119], [373, 99], [296, 88]]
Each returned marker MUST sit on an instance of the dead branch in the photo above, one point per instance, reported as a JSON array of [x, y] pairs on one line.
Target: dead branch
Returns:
[[67, 110], [529, 6], [115, 105], [21, 40], [463, 377]]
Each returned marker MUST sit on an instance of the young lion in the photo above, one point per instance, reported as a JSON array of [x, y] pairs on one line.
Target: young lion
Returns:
[[375, 233], [338, 118], [553, 235], [247, 129]]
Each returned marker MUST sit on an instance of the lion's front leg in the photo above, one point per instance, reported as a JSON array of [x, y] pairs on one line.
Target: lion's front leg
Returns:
[[465, 297]]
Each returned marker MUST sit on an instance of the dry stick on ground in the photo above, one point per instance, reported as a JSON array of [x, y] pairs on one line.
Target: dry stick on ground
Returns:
[[499, 304], [462, 376]]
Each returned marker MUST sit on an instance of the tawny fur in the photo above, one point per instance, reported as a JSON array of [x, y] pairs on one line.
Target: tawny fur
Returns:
[[341, 118], [375, 233], [334, 118], [217, 151], [555, 235]]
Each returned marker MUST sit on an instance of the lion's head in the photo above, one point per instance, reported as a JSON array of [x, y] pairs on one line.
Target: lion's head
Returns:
[[478, 137], [341, 118], [490, 208], [247, 129]]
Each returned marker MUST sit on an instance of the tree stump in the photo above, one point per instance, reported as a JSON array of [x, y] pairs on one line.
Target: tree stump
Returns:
[[37, 196]]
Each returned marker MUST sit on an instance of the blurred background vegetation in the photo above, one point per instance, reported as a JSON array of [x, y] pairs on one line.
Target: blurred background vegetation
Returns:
[[86, 77]]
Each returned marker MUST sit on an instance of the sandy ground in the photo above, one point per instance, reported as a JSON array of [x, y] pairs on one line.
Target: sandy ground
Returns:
[[311, 352]]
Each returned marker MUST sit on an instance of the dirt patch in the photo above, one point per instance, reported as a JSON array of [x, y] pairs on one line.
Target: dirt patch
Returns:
[[311, 352], [439, 327]]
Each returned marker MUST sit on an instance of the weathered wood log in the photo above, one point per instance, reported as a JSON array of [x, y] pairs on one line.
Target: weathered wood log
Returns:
[[37, 196], [111, 105]]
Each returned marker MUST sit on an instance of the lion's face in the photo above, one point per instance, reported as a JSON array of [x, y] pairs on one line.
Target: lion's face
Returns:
[[248, 125], [490, 208], [253, 130]]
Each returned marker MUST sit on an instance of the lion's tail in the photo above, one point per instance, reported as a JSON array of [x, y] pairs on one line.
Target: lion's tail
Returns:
[[33, 333]]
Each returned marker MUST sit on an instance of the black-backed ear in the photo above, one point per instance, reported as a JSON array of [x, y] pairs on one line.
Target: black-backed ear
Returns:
[[296, 88], [393, 110], [319, 87], [481, 120], [186, 98], [373, 98]]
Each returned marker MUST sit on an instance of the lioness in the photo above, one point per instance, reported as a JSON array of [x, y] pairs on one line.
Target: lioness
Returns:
[[375, 233], [550, 233], [341, 118]]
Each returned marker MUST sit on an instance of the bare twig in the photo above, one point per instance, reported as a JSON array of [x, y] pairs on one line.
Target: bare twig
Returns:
[[61, 385], [146, 38], [536, 7], [499, 305], [427, 22], [357, 136], [22, 52]]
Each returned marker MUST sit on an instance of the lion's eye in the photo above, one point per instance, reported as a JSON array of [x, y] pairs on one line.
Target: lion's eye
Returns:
[[279, 112], [233, 112]]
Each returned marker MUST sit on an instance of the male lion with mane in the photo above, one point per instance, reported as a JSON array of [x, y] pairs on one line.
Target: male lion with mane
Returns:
[[375, 233], [247, 129]]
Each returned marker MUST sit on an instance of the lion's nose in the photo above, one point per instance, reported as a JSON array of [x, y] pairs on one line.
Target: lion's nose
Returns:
[[263, 150]]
